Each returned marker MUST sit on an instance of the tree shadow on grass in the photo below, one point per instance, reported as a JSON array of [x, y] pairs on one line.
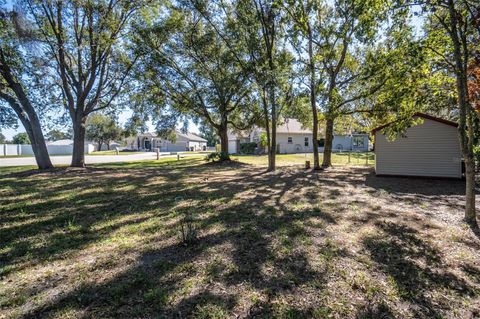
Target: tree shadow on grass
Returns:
[[253, 227], [263, 254], [375, 310], [416, 268]]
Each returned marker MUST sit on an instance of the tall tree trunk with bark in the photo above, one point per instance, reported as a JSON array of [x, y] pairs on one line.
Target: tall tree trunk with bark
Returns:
[[35, 134], [272, 153], [26, 113], [223, 134], [465, 127], [78, 156], [38, 143], [470, 209], [327, 152], [313, 100]]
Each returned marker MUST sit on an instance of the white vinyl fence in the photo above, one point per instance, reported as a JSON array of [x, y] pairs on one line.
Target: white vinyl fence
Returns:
[[26, 149]]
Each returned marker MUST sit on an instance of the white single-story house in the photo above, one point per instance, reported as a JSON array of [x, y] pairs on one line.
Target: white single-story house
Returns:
[[182, 143], [106, 147], [235, 139], [292, 137], [429, 149], [356, 142]]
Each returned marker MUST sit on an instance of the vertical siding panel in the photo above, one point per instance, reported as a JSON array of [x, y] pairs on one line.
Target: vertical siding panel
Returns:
[[429, 149]]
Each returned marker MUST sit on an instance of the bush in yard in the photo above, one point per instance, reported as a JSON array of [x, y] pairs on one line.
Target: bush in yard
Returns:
[[21, 138], [217, 156], [248, 148], [188, 229]]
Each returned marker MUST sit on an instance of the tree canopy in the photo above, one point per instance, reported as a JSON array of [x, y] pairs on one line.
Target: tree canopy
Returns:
[[21, 138]]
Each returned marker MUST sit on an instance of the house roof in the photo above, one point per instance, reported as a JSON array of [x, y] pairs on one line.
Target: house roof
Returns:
[[192, 137], [292, 126], [422, 115]]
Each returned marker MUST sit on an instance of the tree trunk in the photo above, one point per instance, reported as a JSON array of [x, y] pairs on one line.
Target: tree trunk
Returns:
[[267, 123], [38, 144], [470, 213], [27, 115], [223, 134], [313, 101], [465, 113], [272, 153], [108, 146], [78, 156], [100, 146], [39, 147], [327, 152]]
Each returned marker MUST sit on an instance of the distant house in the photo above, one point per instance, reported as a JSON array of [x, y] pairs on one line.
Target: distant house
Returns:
[[430, 149], [292, 137], [183, 142], [356, 142]]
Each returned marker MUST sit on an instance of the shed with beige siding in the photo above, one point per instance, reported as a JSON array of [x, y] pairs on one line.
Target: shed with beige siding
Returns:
[[429, 149]]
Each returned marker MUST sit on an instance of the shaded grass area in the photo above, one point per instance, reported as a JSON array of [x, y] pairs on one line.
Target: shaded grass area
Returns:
[[105, 242], [359, 159]]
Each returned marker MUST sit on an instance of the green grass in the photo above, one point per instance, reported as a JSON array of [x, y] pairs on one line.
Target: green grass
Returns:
[[299, 159], [105, 241]]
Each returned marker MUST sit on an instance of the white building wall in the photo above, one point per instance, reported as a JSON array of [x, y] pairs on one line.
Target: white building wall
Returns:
[[296, 146], [197, 145], [232, 147], [26, 149], [430, 149]]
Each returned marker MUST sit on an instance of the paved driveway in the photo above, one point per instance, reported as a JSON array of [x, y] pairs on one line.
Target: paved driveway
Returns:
[[66, 160]]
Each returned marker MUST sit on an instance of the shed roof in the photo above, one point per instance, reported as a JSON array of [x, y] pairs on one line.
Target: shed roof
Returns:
[[422, 115]]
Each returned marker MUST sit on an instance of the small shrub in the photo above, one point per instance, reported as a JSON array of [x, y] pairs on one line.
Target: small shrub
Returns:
[[217, 156], [188, 229], [248, 148]]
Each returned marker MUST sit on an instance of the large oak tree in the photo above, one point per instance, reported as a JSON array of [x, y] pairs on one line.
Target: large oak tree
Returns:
[[15, 82], [84, 55]]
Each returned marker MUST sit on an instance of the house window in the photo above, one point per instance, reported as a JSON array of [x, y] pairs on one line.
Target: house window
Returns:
[[306, 141], [290, 140], [358, 142]]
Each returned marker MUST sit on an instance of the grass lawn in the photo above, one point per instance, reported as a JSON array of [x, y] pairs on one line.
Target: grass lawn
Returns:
[[342, 243], [299, 159]]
